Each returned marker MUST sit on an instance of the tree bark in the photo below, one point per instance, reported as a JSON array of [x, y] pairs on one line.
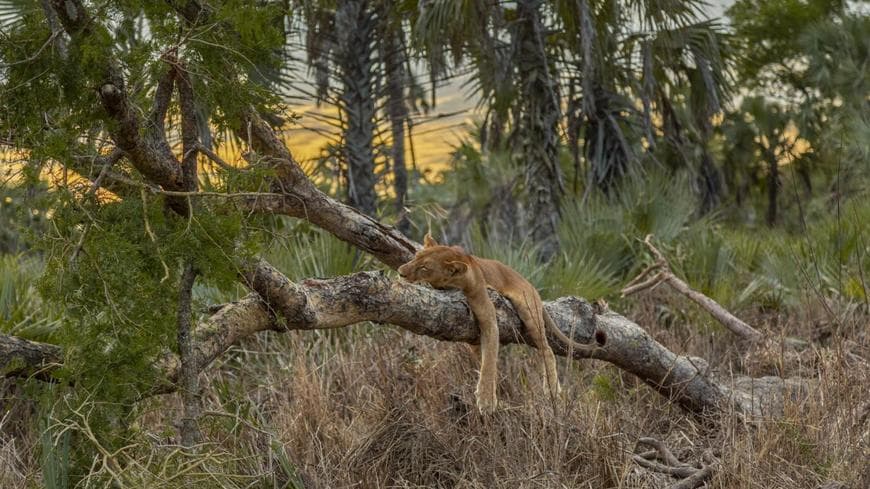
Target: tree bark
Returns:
[[394, 65], [539, 126], [22, 358], [354, 28], [445, 315], [189, 371]]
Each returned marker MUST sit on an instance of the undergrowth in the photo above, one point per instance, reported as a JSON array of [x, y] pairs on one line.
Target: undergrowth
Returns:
[[372, 406]]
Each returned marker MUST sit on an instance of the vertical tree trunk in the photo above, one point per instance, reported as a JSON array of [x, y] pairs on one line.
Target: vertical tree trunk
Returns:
[[355, 29], [772, 187], [710, 183], [539, 131], [189, 375], [394, 64]]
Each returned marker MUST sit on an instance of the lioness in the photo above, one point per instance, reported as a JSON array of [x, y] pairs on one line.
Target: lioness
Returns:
[[451, 267]]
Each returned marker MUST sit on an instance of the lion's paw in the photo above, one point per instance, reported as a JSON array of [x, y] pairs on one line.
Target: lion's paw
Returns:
[[486, 400], [487, 405]]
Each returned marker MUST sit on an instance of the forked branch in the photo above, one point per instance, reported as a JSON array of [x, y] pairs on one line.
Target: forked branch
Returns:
[[660, 273]]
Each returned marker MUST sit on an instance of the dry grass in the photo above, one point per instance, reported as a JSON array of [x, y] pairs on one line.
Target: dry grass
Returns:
[[376, 407]]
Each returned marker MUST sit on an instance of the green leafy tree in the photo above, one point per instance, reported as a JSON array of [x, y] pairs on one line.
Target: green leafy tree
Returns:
[[802, 63]]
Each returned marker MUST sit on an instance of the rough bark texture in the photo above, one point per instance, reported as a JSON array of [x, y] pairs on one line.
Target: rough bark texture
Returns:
[[539, 126], [189, 372], [355, 30], [22, 358], [305, 201], [445, 315], [394, 66]]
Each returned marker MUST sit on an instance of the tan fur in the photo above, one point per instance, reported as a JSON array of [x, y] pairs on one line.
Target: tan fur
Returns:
[[450, 267]]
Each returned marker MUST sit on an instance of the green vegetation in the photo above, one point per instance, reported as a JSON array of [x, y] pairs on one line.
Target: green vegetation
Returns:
[[741, 145]]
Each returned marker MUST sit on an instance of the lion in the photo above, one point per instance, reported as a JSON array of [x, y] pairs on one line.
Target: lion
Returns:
[[451, 267]]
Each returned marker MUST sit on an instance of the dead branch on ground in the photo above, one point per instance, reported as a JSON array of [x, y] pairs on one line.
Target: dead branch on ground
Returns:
[[660, 272], [691, 476]]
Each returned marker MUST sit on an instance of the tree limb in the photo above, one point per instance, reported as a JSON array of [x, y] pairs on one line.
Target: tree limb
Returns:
[[305, 201], [665, 275], [22, 358], [445, 315], [153, 158]]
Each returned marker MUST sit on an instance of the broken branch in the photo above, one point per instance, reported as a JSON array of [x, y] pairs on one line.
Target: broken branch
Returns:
[[665, 275]]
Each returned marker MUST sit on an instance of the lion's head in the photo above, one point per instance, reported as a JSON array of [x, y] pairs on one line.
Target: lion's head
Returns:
[[441, 266]]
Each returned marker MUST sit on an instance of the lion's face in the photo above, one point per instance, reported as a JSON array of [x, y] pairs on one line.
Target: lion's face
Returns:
[[441, 266]]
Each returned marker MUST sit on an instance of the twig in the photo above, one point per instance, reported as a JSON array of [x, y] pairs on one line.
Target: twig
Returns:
[[113, 158], [178, 193], [151, 235], [215, 158], [34, 55], [691, 476]]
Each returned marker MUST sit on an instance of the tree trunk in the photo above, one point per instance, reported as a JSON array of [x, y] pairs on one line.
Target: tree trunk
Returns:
[[355, 30], [445, 315], [189, 371], [772, 187], [539, 130], [394, 64], [710, 183]]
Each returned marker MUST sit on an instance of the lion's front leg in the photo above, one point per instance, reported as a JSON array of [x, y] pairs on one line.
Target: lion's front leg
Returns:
[[484, 312]]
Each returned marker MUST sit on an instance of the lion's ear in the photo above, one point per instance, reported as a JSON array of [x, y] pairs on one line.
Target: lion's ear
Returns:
[[457, 267], [429, 241]]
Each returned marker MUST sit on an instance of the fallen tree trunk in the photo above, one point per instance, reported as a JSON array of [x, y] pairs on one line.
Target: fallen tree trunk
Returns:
[[445, 315]]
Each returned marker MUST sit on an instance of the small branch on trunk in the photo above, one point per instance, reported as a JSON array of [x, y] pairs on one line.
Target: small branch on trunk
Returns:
[[665, 275], [216, 159], [107, 165]]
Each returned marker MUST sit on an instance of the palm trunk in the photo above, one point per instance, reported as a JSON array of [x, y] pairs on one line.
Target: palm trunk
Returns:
[[354, 28], [394, 64], [772, 187], [539, 131], [710, 183]]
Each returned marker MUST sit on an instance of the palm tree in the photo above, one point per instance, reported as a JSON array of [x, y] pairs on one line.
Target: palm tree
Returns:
[[538, 128], [394, 56], [613, 56], [355, 58]]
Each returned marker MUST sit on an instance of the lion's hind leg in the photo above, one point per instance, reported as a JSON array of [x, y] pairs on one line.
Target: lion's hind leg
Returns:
[[533, 320]]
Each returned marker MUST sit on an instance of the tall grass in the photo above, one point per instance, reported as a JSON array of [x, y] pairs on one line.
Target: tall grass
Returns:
[[374, 407], [22, 312]]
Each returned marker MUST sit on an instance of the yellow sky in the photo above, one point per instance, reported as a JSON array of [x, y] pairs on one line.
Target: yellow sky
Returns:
[[435, 134]]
